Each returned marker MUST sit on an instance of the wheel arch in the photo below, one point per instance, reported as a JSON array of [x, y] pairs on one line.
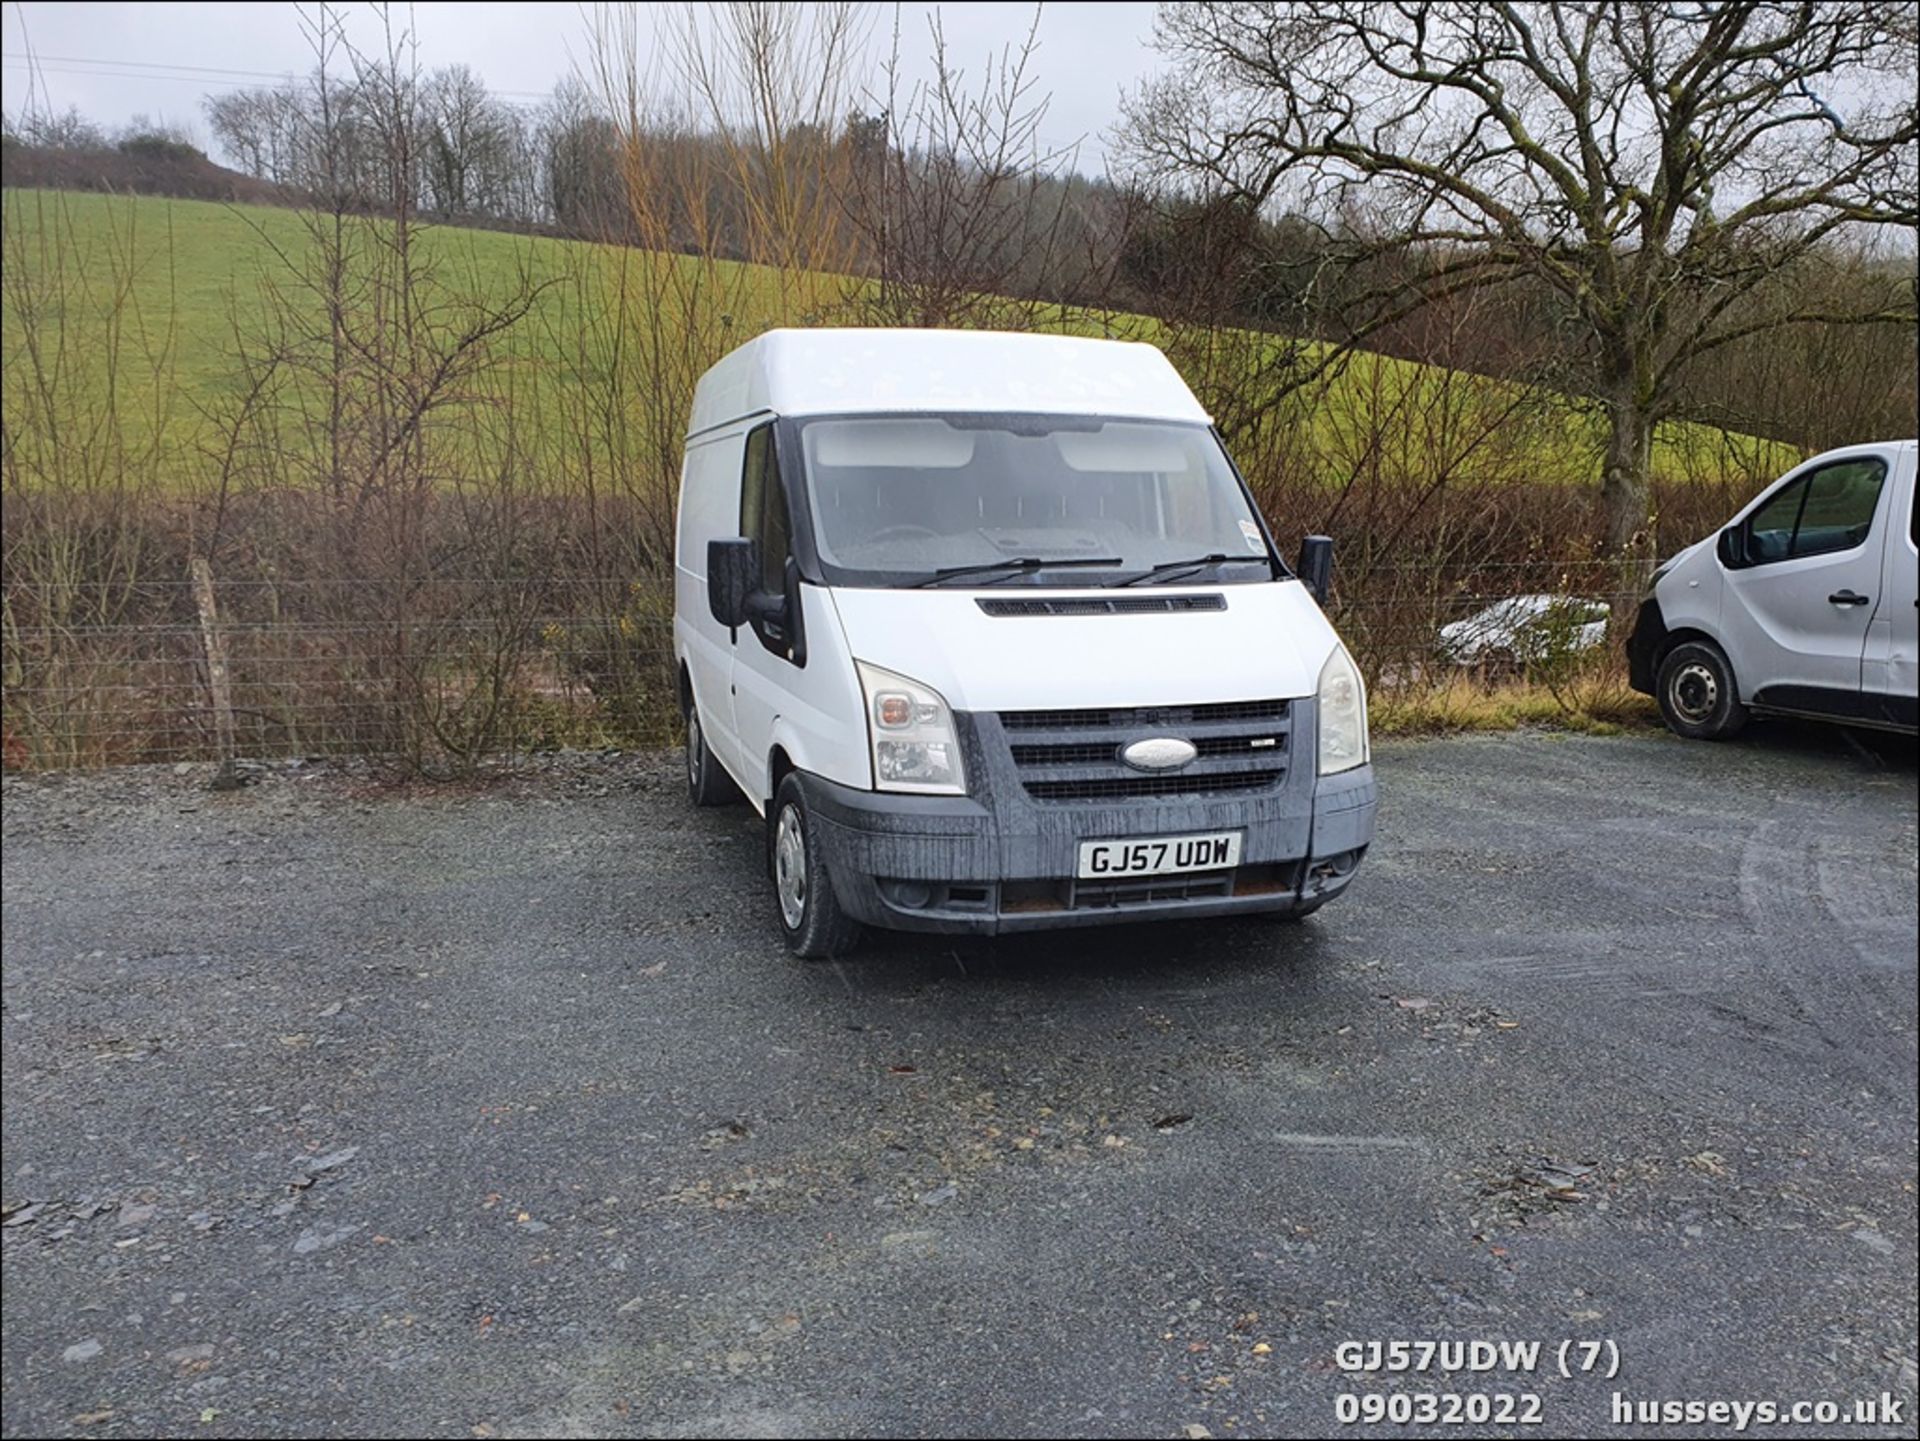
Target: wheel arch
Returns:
[[779, 766], [795, 745]]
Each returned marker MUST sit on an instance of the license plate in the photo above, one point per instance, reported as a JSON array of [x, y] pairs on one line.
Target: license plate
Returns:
[[1159, 856]]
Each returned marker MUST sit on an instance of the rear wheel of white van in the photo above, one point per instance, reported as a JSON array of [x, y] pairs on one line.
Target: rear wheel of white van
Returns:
[[810, 916], [1698, 695], [707, 783]]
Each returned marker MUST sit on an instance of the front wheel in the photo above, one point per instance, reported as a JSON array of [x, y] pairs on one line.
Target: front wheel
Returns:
[[810, 916], [1697, 692]]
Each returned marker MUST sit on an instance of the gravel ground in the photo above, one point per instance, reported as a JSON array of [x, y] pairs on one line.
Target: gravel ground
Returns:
[[357, 1109]]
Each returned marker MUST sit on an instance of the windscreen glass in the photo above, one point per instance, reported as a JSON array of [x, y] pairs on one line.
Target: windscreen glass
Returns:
[[1030, 500]]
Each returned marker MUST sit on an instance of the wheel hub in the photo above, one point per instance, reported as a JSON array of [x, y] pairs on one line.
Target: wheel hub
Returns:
[[693, 746], [1695, 692], [790, 867]]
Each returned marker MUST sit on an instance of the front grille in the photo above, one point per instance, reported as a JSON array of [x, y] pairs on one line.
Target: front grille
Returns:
[[1101, 895], [1104, 605], [1271, 879], [1094, 752], [1132, 787], [1233, 710], [1074, 755]]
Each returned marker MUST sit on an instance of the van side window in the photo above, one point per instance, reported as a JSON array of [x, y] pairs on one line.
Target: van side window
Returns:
[[1830, 509], [763, 509]]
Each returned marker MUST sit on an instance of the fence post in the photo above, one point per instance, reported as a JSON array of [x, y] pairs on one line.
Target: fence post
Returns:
[[227, 777]]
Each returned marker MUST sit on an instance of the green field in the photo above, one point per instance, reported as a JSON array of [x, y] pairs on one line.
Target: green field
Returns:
[[126, 320]]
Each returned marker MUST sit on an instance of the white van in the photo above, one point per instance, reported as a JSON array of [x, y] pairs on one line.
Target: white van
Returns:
[[1805, 604], [989, 629]]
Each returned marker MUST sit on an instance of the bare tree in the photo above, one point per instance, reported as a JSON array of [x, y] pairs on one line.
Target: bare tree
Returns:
[[361, 395], [242, 128], [258, 130], [472, 148], [68, 130], [1818, 386], [1651, 164], [576, 163], [727, 133], [960, 204]]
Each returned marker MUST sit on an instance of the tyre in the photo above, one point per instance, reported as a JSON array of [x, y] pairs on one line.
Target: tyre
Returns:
[[707, 783], [1697, 692], [810, 916]]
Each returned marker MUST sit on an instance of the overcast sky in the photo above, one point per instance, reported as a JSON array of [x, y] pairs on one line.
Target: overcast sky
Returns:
[[116, 61]]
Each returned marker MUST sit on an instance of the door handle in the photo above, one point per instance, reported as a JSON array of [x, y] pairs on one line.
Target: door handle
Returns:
[[1847, 597]]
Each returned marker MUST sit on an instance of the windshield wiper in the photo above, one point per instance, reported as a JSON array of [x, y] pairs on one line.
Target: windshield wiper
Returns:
[[1198, 561], [1017, 565]]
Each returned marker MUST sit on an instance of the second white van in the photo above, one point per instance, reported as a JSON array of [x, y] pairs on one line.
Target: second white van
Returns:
[[991, 632], [1803, 604]]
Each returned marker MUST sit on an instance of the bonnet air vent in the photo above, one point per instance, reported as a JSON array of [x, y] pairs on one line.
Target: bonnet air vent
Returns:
[[1105, 605]]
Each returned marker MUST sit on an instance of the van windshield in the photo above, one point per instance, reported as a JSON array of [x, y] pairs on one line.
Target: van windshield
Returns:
[[1021, 500]]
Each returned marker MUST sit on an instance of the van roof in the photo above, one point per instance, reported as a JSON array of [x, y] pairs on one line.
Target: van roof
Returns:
[[1899, 445], [843, 371]]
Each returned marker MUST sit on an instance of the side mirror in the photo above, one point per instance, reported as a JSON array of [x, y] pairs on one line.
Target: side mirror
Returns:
[[1316, 566], [1732, 547], [733, 570], [776, 617]]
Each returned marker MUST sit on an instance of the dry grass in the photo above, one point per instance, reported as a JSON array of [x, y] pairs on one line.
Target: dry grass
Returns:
[[1595, 700]]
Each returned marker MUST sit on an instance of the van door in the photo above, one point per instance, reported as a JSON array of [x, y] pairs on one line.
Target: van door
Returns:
[[1892, 664], [1802, 571], [709, 510], [767, 659]]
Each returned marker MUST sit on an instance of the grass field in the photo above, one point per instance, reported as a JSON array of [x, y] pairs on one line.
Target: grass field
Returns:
[[131, 310]]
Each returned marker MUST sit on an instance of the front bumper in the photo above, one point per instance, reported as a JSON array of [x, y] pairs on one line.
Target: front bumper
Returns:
[[997, 861]]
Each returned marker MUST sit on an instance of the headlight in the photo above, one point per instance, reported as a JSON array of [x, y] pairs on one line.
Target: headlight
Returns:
[[910, 730], [1343, 714]]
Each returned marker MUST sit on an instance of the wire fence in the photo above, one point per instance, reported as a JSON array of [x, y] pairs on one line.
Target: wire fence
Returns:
[[440, 673]]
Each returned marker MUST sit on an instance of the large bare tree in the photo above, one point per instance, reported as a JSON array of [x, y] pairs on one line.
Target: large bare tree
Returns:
[[960, 204], [1652, 164]]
